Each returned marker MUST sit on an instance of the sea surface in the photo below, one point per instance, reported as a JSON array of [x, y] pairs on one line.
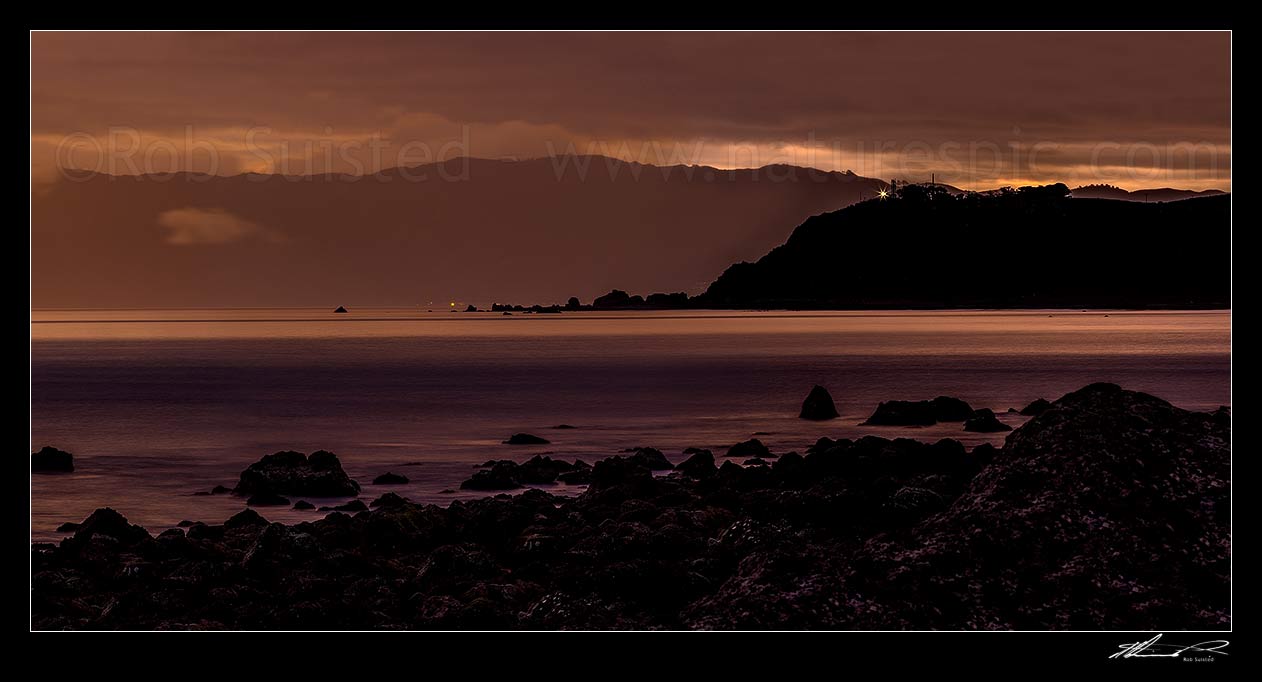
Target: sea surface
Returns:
[[158, 405]]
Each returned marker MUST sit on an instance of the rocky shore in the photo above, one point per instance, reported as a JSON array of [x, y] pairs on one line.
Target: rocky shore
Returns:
[[1109, 509]]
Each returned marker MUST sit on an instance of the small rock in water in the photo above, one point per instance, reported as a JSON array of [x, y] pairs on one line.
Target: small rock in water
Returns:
[[818, 405], [50, 459], [293, 473], [984, 421], [564, 426], [526, 439], [266, 500], [340, 309], [390, 478]]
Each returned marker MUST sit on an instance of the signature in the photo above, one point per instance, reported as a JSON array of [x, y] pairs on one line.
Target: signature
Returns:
[[1153, 649]]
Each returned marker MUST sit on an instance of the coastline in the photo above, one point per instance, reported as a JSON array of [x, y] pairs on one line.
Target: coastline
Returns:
[[834, 538]]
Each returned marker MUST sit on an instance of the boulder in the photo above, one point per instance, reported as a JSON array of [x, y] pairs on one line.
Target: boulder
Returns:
[[526, 439], [68, 527], [541, 469], [245, 519], [985, 421], [903, 413], [699, 465], [50, 459], [502, 475], [920, 412], [1034, 409], [749, 448], [303, 505], [651, 459], [390, 478], [106, 521], [948, 409], [267, 500], [293, 473], [389, 501], [818, 405]]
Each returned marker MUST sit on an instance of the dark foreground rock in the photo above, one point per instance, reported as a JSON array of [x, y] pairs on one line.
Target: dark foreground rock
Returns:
[[818, 405], [293, 473], [50, 459], [1110, 511]]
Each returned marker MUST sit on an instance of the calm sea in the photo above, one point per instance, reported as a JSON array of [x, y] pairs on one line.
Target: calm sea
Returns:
[[159, 404]]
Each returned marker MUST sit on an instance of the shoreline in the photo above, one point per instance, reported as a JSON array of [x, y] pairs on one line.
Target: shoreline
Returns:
[[802, 541]]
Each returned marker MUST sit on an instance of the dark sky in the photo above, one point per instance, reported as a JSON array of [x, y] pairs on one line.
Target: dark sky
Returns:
[[978, 109]]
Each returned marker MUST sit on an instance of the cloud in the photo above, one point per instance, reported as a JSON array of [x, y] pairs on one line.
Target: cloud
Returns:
[[518, 94], [194, 226]]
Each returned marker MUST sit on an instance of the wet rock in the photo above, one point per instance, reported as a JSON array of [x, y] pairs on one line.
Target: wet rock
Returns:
[[51, 460], [903, 413], [948, 409], [651, 459], [390, 478], [106, 521], [293, 473], [920, 413], [699, 465], [580, 473], [541, 469], [502, 475], [985, 421], [352, 506], [389, 501], [267, 500], [818, 405], [749, 448], [245, 519], [526, 439], [1034, 409]]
